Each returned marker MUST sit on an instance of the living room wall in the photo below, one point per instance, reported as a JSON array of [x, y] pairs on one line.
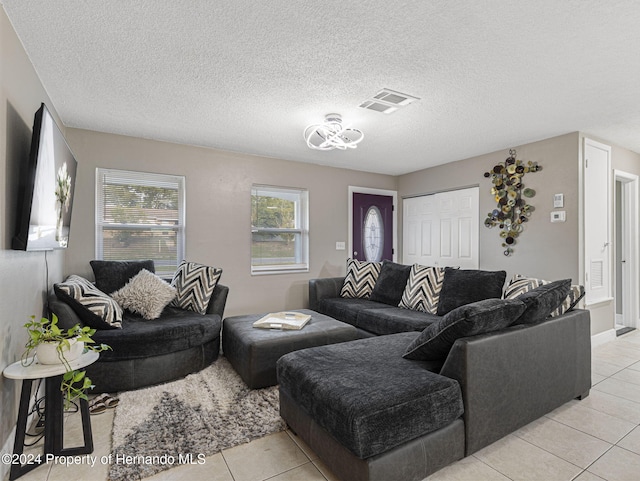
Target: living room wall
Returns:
[[218, 185], [23, 281], [546, 250]]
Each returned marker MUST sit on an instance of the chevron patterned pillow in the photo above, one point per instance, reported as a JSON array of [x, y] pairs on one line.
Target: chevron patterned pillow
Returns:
[[194, 285], [360, 279], [423, 289], [575, 295], [94, 307], [520, 284]]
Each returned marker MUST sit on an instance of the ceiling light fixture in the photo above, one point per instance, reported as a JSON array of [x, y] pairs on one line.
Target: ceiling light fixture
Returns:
[[332, 135]]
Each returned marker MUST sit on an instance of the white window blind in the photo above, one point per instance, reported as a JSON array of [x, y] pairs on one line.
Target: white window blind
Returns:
[[279, 229], [140, 216]]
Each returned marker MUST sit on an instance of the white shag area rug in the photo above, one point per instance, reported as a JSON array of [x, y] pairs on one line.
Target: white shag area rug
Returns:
[[160, 427]]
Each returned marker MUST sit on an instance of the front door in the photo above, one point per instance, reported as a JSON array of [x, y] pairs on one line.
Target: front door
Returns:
[[372, 227]]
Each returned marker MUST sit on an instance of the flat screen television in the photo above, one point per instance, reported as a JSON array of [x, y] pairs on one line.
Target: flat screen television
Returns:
[[45, 191]]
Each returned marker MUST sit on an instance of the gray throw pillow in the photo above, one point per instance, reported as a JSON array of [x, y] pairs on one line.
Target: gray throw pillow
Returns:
[[543, 300], [520, 284], [145, 294], [461, 287], [113, 275], [391, 283], [436, 340]]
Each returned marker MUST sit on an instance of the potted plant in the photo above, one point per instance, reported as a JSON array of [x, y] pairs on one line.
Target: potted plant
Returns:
[[52, 345]]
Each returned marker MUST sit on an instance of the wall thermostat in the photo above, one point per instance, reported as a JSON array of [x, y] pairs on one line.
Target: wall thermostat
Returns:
[[558, 200], [558, 216]]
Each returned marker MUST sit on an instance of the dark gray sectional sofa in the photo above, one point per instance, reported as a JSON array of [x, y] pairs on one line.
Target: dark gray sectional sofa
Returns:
[[372, 414], [371, 318]]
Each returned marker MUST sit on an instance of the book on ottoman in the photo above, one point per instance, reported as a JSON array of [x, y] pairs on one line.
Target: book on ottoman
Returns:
[[283, 320]]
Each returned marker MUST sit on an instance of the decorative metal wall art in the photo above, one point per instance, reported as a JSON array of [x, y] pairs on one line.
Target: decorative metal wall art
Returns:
[[512, 211]]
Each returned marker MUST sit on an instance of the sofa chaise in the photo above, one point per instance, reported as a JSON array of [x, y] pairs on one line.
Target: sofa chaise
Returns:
[[373, 409]]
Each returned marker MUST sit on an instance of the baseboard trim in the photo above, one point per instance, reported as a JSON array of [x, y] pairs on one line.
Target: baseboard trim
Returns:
[[603, 337]]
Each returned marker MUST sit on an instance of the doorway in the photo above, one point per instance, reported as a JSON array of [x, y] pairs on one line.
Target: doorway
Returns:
[[372, 224], [626, 251]]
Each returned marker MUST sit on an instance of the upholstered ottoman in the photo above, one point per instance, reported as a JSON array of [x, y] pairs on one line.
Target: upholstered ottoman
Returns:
[[369, 414], [253, 352]]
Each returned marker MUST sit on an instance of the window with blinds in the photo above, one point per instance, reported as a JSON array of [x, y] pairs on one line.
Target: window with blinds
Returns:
[[279, 230], [140, 216]]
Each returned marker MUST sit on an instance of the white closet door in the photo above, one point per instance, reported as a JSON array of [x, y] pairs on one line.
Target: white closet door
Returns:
[[442, 229], [597, 235]]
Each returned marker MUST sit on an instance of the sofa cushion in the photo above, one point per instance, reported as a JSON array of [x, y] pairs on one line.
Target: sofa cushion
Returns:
[[422, 291], [542, 301], [94, 307], [367, 396], [520, 284], [194, 284], [175, 330], [360, 279], [392, 320], [489, 315], [145, 294], [391, 283], [346, 310], [113, 275], [461, 287]]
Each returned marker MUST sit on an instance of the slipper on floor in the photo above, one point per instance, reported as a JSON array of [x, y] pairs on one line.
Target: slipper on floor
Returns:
[[111, 401], [101, 402], [97, 407]]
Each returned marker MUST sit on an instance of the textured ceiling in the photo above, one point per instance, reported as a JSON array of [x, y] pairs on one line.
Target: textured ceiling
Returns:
[[249, 76]]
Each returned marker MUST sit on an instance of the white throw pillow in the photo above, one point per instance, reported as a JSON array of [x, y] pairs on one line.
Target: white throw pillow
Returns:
[[145, 294]]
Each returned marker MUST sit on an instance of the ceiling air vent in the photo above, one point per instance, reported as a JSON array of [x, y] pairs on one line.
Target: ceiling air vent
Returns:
[[387, 101]]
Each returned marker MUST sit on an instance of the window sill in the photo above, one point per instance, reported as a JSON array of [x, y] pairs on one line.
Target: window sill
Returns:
[[261, 271]]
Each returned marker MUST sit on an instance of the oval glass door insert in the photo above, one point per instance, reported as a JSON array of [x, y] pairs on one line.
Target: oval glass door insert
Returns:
[[373, 237]]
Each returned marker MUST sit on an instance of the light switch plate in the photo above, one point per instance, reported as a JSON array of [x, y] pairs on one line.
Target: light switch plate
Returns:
[[558, 216], [558, 200], [340, 246]]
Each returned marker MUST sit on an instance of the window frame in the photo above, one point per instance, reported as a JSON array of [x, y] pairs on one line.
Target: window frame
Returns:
[[148, 179], [301, 229]]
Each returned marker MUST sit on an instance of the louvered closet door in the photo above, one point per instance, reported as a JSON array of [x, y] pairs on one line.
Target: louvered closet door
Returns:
[[442, 229], [597, 235]]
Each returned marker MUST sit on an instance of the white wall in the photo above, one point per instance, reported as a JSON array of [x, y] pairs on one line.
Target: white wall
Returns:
[[23, 283]]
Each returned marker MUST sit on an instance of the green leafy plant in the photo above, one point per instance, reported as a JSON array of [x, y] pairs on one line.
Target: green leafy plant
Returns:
[[75, 383]]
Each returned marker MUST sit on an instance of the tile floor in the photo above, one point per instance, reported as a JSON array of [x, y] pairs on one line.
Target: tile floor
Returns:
[[591, 440]]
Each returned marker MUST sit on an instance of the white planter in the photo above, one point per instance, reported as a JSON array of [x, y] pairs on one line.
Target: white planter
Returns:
[[47, 352]]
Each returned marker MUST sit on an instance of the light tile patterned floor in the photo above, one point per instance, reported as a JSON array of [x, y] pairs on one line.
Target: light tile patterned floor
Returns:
[[595, 439]]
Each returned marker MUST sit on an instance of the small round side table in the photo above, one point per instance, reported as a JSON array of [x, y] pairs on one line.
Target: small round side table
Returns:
[[53, 409]]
